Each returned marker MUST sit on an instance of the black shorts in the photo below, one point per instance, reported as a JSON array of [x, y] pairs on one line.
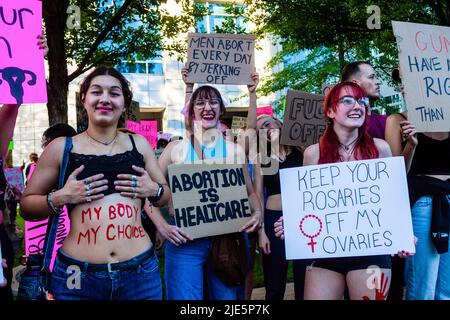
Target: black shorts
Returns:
[[346, 264]]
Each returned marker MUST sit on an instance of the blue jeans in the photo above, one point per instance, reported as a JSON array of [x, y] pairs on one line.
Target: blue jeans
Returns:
[[184, 266], [427, 273], [134, 279]]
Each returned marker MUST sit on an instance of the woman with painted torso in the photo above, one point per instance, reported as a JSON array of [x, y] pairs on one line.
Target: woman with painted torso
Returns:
[[109, 175]]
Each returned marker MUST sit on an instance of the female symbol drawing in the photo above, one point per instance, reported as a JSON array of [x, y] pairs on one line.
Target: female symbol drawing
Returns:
[[15, 77]]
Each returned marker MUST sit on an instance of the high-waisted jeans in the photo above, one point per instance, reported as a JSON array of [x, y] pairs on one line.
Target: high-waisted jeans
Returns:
[[134, 279], [427, 273]]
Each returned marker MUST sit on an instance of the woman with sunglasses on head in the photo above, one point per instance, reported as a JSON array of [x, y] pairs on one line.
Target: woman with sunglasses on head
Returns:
[[186, 262], [109, 176], [345, 139]]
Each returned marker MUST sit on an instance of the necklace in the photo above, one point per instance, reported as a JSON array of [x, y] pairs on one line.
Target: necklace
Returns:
[[103, 143], [349, 148], [346, 147]]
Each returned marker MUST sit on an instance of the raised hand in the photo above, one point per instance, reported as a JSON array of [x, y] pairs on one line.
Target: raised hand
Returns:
[[42, 43], [255, 78]]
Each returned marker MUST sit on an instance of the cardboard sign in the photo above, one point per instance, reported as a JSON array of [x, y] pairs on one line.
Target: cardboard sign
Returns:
[[22, 71], [264, 110], [146, 128], [346, 209], [238, 123], [304, 121], [133, 113], [326, 87], [424, 56], [220, 58], [209, 199], [14, 177], [35, 235]]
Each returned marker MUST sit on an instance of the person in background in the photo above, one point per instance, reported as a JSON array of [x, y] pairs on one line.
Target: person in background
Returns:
[[345, 139], [427, 160], [401, 136], [364, 75]]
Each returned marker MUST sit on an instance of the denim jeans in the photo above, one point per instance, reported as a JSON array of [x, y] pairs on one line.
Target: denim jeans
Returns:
[[134, 279], [427, 273], [184, 270]]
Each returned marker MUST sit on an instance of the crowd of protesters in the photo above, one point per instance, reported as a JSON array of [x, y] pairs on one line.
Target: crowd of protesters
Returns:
[[109, 168]]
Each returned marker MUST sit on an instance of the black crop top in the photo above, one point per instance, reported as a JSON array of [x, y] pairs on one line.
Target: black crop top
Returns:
[[431, 156], [272, 182], [110, 166]]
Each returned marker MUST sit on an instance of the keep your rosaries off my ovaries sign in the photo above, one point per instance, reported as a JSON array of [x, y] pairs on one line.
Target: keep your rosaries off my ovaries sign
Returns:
[[209, 199], [354, 208]]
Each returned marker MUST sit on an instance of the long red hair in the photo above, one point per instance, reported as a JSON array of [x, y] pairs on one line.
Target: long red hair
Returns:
[[329, 143]]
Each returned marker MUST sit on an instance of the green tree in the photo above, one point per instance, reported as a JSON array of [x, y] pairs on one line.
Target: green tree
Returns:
[[331, 33], [109, 31]]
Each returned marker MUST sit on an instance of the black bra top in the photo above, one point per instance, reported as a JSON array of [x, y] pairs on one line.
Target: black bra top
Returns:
[[272, 182], [431, 156], [110, 166]]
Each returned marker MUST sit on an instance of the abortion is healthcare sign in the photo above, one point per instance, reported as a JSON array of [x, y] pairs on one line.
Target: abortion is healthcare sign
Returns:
[[22, 70], [346, 209]]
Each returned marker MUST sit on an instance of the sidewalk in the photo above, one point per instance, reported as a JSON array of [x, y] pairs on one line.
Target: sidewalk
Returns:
[[260, 293]]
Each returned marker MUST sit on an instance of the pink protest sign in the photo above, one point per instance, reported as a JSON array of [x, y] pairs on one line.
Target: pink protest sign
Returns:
[[35, 235], [22, 71], [264, 110], [14, 177], [146, 128], [35, 232]]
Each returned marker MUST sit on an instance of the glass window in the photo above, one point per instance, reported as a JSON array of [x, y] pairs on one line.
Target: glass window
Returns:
[[218, 15]]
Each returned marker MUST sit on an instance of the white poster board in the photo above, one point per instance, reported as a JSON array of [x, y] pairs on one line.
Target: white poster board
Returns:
[[423, 51], [346, 209]]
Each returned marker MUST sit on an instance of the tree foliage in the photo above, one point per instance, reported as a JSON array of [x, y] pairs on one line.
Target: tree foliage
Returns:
[[331, 33], [110, 31]]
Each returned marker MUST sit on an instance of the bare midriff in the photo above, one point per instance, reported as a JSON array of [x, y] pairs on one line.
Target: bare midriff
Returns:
[[274, 202], [107, 230]]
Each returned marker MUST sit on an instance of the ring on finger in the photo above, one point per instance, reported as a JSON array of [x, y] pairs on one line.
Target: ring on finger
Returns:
[[88, 194], [88, 187], [87, 180], [134, 195], [134, 183], [88, 199]]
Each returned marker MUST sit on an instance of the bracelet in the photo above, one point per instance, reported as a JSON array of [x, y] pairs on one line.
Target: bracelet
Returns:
[[52, 205]]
